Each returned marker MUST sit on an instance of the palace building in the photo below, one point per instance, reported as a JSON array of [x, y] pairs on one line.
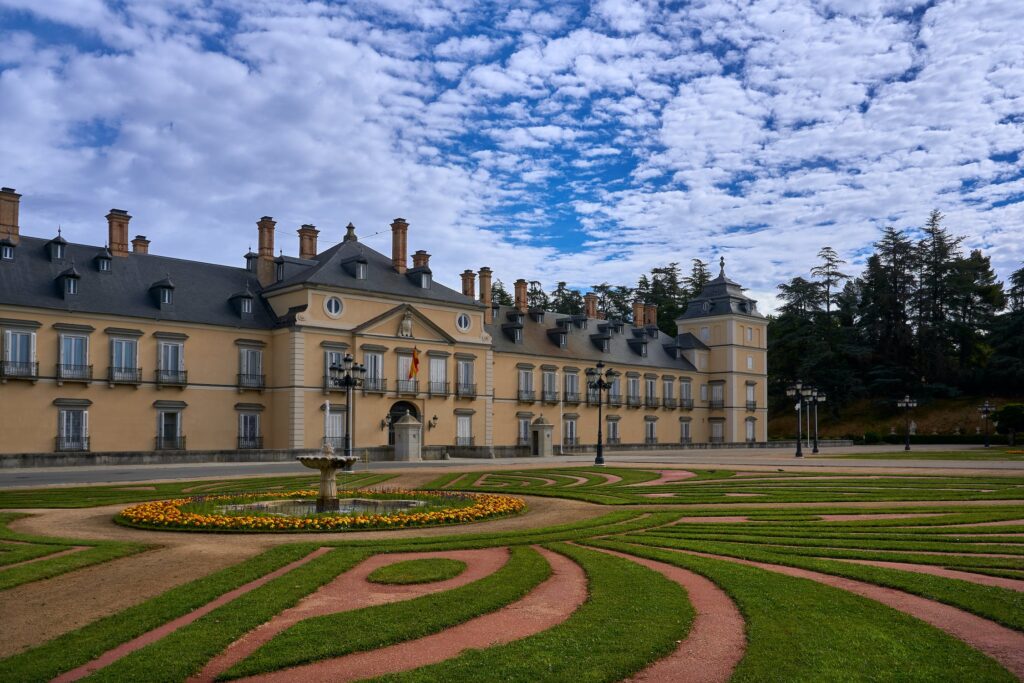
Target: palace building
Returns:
[[116, 350]]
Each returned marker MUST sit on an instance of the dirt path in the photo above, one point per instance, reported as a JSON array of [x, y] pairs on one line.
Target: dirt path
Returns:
[[546, 606], [1004, 645], [716, 641], [981, 579], [668, 477]]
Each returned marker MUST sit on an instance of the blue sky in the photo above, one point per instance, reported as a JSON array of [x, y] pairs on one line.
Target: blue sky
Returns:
[[584, 142]]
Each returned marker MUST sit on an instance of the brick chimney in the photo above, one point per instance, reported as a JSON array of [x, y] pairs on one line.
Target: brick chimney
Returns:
[[521, 304], [117, 232], [399, 239], [590, 304], [469, 283], [485, 294], [307, 241], [9, 204], [650, 314], [420, 259], [638, 313], [265, 263], [140, 245]]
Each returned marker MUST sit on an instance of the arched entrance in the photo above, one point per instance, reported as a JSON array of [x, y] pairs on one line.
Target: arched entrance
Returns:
[[397, 412]]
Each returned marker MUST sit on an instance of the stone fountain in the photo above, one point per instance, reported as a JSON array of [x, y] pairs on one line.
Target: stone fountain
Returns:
[[328, 463]]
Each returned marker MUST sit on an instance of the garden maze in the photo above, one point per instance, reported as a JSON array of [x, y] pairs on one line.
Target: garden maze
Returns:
[[671, 575]]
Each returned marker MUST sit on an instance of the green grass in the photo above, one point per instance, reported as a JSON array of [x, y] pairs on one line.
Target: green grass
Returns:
[[632, 616], [417, 571], [374, 627], [799, 630], [993, 454]]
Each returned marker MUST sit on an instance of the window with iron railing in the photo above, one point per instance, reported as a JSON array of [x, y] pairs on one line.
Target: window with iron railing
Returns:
[[250, 442], [438, 388], [71, 443], [251, 381], [176, 443], [465, 390], [172, 377], [376, 385], [408, 386], [74, 373], [117, 375]]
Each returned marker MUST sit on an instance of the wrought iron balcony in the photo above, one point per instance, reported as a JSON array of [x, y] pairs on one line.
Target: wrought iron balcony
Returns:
[[523, 441], [670, 403], [170, 443], [650, 440], [572, 397], [464, 441], [752, 406], [408, 386], [686, 403], [593, 398], [465, 390], [651, 402], [331, 386], [16, 369], [615, 399], [72, 443], [685, 439], [716, 439], [716, 404], [74, 373], [437, 388], [250, 381], [250, 443], [613, 441], [172, 378], [527, 395], [124, 375], [549, 396], [633, 401], [375, 385]]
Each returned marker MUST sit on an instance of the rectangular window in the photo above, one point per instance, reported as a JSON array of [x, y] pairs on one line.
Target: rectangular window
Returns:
[[651, 431], [171, 362], [705, 334], [703, 392], [249, 431], [464, 377], [523, 431], [19, 354], [72, 286], [569, 432], [73, 430], [74, 350], [406, 383], [612, 428], [124, 360], [750, 334], [717, 432], [550, 385], [685, 390], [750, 362], [336, 428], [374, 363], [463, 430], [651, 388], [572, 386], [439, 376], [168, 433], [684, 432], [332, 359], [7, 253], [751, 393], [250, 367], [634, 388], [717, 393], [526, 381], [750, 431], [668, 389], [616, 388]]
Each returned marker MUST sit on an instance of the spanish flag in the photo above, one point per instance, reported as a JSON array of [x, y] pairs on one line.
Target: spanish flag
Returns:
[[414, 367]]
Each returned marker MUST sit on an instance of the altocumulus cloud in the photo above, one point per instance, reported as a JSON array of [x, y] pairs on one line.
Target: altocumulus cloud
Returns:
[[563, 141]]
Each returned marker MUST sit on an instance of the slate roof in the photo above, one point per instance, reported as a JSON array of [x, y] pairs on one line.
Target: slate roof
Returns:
[[721, 296], [202, 291], [579, 345], [381, 277]]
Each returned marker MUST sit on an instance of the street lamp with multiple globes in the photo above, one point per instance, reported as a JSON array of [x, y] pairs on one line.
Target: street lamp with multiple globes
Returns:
[[907, 404], [799, 392], [815, 398], [348, 375], [599, 380], [986, 409]]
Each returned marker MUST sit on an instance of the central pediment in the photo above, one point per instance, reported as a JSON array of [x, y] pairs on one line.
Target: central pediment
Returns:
[[404, 322]]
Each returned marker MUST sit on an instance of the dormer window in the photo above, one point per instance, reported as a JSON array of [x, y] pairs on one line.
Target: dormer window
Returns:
[[643, 350], [425, 280], [251, 260], [57, 247], [280, 272], [103, 265], [163, 292], [246, 305], [6, 252], [360, 271], [563, 339], [604, 345], [68, 281], [71, 286], [58, 251], [166, 295], [517, 335]]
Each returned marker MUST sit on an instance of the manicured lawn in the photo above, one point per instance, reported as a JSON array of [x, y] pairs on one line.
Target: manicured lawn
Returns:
[[979, 454], [418, 571]]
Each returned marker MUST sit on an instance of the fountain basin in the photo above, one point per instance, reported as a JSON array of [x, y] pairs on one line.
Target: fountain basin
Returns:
[[345, 506]]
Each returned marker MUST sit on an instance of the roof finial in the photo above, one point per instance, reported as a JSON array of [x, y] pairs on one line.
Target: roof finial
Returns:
[[350, 233], [58, 230], [721, 262]]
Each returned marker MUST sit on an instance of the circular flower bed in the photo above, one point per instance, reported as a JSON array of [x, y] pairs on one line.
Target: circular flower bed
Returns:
[[444, 507]]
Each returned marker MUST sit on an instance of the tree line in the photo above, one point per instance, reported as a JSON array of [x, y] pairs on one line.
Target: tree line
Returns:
[[924, 318]]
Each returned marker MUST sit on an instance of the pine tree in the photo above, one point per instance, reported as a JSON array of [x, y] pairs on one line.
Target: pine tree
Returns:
[[829, 274], [500, 295], [698, 278], [565, 300], [937, 253], [1015, 295], [536, 297]]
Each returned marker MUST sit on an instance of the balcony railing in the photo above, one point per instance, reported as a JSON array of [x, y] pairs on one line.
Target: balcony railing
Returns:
[[523, 441], [685, 439], [527, 395], [613, 441], [124, 375], [464, 441], [250, 443], [172, 378], [686, 403], [752, 406], [408, 386], [615, 399], [170, 443], [250, 381], [572, 397], [74, 373], [72, 443], [650, 440], [16, 369], [549, 396], [633, 401], [593, 398], [331, 386], [375, 385], [716, 439], [651, 402], [670, 403], [437, 388], [465, 390], [716, 404]]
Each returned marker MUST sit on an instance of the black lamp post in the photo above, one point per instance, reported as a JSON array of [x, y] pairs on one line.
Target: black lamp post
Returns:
[[348, 375], [816, 398], [599, 380], [907, 404], [799, 392], [986, 409]]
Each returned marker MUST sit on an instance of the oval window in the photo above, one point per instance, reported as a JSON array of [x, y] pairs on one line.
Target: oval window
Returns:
[[463, 322], [333, 306]]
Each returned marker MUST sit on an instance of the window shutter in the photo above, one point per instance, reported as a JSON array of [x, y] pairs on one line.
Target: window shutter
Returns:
[[7, 345], [33, 352], [85, 423], [181, 357]]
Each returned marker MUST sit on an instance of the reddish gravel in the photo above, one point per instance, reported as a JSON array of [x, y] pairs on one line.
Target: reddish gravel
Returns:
[[981, 579], [1004, 645], [716, 641], [548, 605], [351, 591], [668, 477], [1005, 522], [156, 634]]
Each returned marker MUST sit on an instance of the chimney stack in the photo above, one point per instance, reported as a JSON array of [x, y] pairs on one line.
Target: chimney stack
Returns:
[[638, 313], [117, 232], [521, 304], [651, 314], [469, 283], [307, 241], [9, 204], [399, 238], [140, 245], [265, 264], [590, 304], [485, 294], [421, 259]]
